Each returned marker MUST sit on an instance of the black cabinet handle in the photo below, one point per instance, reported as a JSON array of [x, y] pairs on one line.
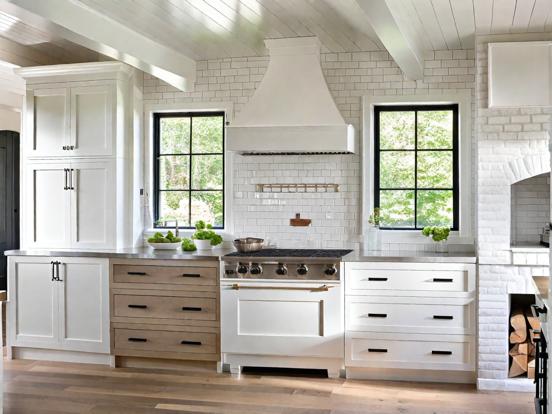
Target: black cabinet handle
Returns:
[[65, 171], [191, 308], [137, 273], [380, 350], [447, 317], [53, 271], [138, 306], [196, 343], [441, 280], [441, 352], [377, 279], [191, 275], [58, 279], [377, 315], [137, 340]]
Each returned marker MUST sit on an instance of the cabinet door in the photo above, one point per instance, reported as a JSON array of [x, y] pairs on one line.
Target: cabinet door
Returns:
[[33, 303], [92, 120], [84, 304], [47, 122], [93, 209], [47, 208]]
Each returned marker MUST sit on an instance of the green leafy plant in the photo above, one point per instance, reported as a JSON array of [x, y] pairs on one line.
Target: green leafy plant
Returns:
[[437, 233], [374, 218], [158, 237], [188, 245], [206, 232]]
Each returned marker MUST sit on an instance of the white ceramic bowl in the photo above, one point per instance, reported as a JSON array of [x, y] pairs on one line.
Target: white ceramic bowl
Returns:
[[203, 244], [165, 246]]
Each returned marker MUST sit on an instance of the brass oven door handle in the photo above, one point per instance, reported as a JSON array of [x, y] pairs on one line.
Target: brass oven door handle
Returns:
[[323, 288]]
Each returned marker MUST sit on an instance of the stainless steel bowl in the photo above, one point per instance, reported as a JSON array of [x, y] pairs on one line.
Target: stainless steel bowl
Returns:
[[248, 244]]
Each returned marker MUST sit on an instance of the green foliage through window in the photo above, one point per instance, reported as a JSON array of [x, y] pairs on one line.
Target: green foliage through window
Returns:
[[416, 180], [189, 168]]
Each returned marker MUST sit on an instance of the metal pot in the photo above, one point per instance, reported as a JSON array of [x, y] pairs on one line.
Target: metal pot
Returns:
[[248, 244]]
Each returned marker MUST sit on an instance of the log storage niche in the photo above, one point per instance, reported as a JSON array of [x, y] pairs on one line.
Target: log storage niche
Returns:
[[521, 336]]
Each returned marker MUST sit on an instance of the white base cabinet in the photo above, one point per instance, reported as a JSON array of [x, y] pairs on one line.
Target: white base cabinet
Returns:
[[412, 321], [58, 303]]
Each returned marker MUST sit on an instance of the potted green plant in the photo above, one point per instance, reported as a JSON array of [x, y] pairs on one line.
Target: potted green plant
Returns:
[[205, 237], [439, 234], [372, 237]]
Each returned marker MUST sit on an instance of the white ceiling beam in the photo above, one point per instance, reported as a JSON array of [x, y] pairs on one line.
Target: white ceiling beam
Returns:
[[403, 48], [72, 20]]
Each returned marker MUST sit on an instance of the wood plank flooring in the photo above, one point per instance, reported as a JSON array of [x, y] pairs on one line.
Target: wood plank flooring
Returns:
[[32, 387]]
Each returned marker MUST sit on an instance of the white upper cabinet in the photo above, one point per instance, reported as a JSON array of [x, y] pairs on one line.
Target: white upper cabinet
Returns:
[[519, 74], [92, 121]]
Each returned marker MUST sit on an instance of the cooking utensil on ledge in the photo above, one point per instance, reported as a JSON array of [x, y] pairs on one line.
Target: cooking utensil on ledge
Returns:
[[248, 244]]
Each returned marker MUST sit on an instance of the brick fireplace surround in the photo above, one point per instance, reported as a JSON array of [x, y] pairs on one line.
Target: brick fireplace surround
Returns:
[[512, 145]]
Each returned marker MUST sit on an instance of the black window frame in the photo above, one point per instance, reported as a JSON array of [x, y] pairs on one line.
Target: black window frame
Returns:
[[378, 109], [157, 116]]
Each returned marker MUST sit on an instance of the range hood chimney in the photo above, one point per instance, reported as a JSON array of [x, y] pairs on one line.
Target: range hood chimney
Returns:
[[292, 110]]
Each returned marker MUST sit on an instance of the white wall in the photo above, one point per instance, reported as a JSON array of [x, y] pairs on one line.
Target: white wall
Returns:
[[10, 120], [335, 216]]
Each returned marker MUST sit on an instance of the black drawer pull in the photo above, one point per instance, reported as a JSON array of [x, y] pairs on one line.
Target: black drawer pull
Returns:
[[381, 350], [441, 352], [441, 280], [137, 340], [138, 306], [196, 343], [377, 279], [377, 315], [447, 317], [137, 273], [191, 308], [191, 275]]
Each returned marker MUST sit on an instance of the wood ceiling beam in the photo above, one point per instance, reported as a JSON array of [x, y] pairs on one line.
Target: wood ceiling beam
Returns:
[[403, 48], [82, 25]]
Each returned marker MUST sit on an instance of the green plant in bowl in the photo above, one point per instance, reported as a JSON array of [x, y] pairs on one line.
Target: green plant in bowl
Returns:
[[188, 245], [437, 233], [204, 233]]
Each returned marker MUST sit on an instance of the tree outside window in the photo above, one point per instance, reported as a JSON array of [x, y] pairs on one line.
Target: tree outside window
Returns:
[[416, 166]]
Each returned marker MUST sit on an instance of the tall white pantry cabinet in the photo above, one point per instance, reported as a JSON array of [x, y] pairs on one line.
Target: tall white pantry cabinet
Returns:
[[77, 157]]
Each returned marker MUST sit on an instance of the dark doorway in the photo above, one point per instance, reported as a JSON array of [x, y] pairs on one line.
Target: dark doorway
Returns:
[[9, 198]]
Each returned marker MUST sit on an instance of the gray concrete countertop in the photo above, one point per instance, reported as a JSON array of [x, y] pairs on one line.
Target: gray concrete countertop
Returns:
[[409, 256], [136, 253]]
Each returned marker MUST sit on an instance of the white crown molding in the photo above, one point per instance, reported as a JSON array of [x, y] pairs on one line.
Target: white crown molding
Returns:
[[75, 69]]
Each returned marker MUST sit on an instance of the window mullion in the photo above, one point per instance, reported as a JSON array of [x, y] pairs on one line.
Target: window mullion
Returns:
[[190, 174], [415, 169]]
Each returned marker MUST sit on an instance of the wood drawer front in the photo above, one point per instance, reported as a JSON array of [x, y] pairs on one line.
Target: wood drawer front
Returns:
[[410, 354], [407, 280], [205, 276], [408, 317], [165, 307], [166, 341]]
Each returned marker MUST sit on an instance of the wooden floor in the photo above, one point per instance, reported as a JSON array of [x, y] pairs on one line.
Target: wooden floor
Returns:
[[46, 387]]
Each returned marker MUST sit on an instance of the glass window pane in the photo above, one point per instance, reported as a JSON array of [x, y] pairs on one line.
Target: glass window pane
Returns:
[[435, 169], [435, 129], [397, 208], [174, 205], [435, 208], [173, 172], [397, 130], [207, 134], [207, 172], [174, 135], [207, 206], [397, 169]]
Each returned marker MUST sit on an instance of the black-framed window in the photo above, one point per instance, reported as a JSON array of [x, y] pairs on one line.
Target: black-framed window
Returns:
[[416, 166], [189, 168]]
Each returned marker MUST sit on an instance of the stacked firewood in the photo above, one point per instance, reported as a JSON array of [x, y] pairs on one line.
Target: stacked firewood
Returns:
[[522, 341]]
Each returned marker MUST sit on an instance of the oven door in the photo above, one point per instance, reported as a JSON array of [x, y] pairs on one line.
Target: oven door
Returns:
[[282, 318], [541, 374]]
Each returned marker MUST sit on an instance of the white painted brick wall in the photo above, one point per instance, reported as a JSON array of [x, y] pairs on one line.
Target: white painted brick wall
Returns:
[[503, 136], [335, 216]]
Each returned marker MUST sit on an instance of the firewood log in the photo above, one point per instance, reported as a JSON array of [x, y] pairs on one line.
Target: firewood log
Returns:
[[519, 325], [519, 365]]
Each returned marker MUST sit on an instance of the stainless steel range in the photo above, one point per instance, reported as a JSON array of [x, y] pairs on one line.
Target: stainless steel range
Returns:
[[283, 308]]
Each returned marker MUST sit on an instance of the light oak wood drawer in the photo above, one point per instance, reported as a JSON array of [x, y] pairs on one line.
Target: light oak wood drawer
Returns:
[[453, 316], [164, 307], [165, 341], [204, 276], [433, 352]]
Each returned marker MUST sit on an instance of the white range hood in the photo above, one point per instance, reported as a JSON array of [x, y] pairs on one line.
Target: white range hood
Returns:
[[292, 110]]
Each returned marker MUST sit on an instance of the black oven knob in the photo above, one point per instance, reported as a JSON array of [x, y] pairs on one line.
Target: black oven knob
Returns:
[[256, 269], [302, 270], [330, 270], [242, 269], [281, 269]]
